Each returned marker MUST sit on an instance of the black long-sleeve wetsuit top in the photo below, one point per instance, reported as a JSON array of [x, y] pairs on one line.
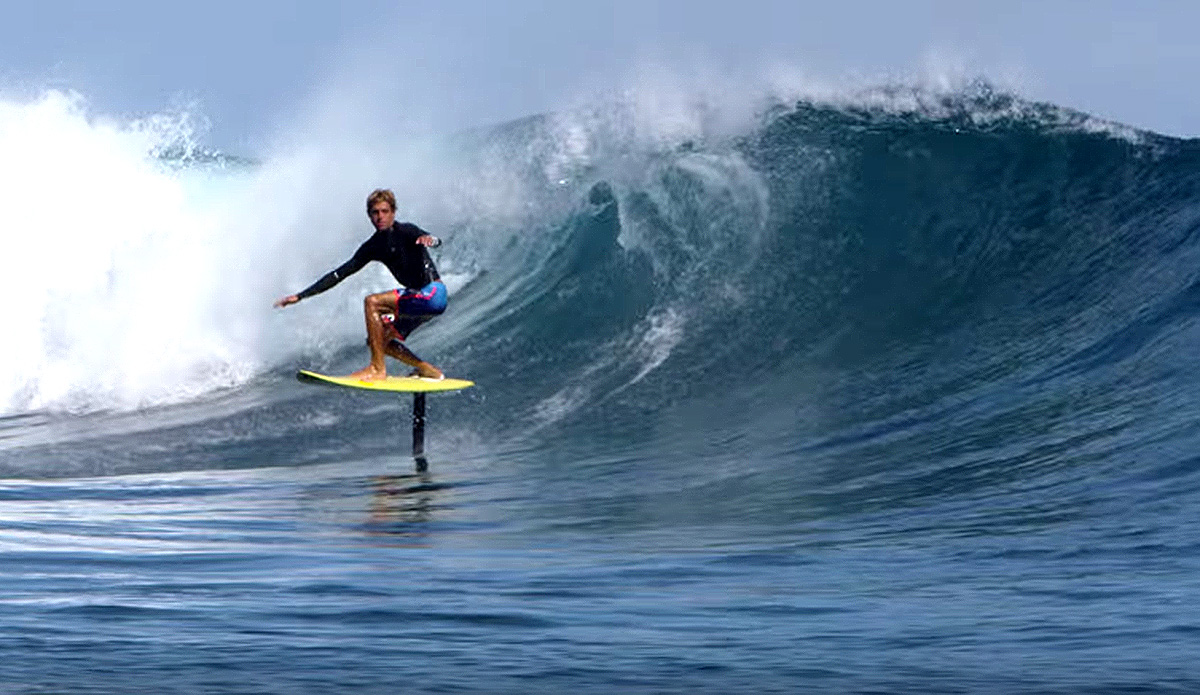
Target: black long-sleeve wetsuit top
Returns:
[[395, 247]]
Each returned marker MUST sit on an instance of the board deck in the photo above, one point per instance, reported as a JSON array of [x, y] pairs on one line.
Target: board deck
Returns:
[[397, 384]]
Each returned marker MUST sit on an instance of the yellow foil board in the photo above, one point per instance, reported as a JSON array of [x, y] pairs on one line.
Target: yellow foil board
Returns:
[[397, 384]]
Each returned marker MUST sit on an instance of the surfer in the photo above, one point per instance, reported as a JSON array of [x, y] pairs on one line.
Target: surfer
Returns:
[[391, 316]]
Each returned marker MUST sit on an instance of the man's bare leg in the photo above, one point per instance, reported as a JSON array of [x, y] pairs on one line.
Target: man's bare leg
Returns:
[[400, 351], [374, 307]]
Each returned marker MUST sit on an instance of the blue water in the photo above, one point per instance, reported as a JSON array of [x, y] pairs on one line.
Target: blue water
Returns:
[[855, 400]]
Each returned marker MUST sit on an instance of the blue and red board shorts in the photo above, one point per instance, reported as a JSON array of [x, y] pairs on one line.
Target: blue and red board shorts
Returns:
[[415, 307]]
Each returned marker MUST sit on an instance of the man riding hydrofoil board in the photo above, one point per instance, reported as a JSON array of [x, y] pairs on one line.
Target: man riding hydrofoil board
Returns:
[[391, 316]]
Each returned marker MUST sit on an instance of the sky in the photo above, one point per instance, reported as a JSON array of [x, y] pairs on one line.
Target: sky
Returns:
[[251, 66]]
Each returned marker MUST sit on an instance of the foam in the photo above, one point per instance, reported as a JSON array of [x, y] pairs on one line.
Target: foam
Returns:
[[137, 281], [134, 283]]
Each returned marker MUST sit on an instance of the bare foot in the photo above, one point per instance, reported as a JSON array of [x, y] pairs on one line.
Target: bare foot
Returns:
[[368, 374], [428, 371]]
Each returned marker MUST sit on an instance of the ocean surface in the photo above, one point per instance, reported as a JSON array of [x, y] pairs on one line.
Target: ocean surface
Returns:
[[891, 394]]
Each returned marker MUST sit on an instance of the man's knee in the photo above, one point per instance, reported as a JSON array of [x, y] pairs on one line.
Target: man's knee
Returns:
[[378, 303]]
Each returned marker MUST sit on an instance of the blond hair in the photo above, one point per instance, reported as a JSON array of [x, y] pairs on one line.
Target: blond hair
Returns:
[[381, 194]]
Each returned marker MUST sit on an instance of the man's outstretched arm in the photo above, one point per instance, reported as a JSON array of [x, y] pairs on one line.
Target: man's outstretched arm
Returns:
[[328, 280]]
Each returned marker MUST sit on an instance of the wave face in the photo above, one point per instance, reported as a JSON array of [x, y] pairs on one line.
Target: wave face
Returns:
[[882, 304], [867, 296]]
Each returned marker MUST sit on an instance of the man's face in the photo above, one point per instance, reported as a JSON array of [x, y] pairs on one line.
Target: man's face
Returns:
[[382, 215]]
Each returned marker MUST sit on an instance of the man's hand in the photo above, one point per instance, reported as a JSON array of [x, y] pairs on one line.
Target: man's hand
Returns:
[[427, 240], [286, 301]]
